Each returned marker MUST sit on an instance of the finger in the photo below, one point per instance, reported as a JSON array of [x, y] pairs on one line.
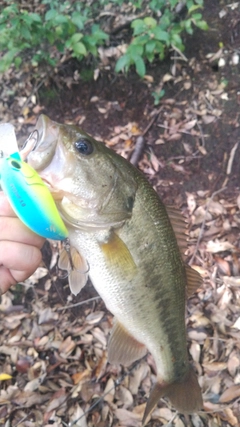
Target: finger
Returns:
[[12, 229], [7, 280], [5, 208], [19, 257]]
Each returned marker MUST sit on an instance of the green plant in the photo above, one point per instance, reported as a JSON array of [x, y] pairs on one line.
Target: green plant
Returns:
[[158, 95], [73, 29], [62, 26], [152, 36]]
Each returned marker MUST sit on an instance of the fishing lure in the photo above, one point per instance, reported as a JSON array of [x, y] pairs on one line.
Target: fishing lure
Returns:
[[33, 203], [30, 198]]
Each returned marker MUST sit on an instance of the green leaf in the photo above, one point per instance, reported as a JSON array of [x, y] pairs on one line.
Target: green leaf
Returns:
[[135, 49], [36, 17], [76, 37], [202, 25], [150, 22], [150, 46], [17, 61], [161, 35], [25, 33], [79, 49], [61, 19], [138, 26], [197, 16], [176, 39], [140, 66], [51, 14], [194, 7], [78, 20], [123, 62]]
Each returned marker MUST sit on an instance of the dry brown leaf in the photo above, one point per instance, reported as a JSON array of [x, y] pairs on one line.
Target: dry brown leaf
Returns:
[[218, 246], [57, 399], [94, 317], [80, 376], [124, 396], [233, 363], [223, 265], [137, 376], [215, 366], [99, 335], [109, 391], [77, 417], [197, 335], [66, 347], [128, 418], [174, 137], [229, 416], [162, 414], [207, 119], [231, 393], [191, 202]]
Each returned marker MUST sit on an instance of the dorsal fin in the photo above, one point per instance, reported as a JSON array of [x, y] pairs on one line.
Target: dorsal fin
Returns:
[[179, 226], [194, 280]]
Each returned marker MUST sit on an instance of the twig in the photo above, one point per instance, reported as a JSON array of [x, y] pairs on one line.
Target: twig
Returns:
[[139, 147], [231, 158], [179, 52], [176, 130], [35, 89], [138, 150], [78, 303], [204, 222]]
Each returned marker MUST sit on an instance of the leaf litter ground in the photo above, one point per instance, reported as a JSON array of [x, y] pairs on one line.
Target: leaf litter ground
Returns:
[[54, 345]]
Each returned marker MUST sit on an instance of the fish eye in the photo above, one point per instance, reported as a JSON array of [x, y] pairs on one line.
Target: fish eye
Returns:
[[84, 146]]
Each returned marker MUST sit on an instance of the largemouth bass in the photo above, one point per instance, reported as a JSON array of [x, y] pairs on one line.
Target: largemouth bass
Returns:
[[130, 246]]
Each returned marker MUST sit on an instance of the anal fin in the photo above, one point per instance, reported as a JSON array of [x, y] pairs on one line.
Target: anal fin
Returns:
[[123, 348], [185, 396]]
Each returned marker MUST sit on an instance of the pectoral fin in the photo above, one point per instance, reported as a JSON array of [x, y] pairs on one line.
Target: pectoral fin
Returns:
[[123, 348], [185, 396], [78, 272], [194, 280], [117, 255]]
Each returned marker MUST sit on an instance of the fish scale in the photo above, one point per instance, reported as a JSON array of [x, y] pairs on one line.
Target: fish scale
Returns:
[[132, 245]]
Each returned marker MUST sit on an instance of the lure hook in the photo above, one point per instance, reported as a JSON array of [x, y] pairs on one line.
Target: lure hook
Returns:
[[67, 247]]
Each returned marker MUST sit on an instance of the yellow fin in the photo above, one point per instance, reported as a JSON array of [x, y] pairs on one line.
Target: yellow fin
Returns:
[[194, 280], [179, 227], [123, 348], [185, 396], [78, 275], [118, 255]]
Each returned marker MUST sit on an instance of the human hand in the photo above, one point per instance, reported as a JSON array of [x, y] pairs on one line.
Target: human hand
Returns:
[[20, 253]]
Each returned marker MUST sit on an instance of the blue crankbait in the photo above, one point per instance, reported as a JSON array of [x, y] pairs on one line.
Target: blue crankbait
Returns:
[[30, 198], [33, 203]]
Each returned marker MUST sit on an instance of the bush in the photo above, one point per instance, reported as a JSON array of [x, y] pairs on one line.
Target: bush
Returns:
[[56, 29]]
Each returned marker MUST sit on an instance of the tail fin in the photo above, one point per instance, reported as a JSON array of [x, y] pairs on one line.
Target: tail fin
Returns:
[[185, 396]]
